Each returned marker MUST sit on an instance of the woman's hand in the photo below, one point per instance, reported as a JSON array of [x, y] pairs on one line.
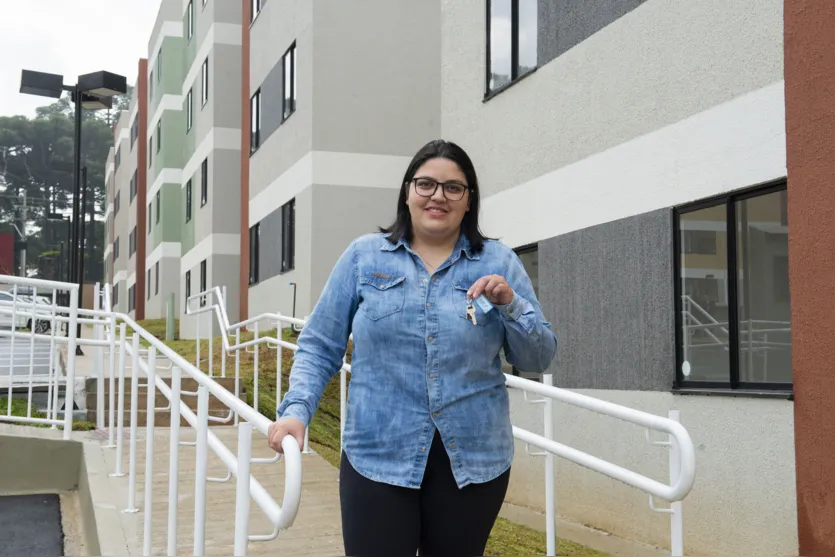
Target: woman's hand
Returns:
[[281, 429], [494, 287]]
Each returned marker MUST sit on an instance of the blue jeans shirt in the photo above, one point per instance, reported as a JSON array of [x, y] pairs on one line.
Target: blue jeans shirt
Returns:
[[418, 364]]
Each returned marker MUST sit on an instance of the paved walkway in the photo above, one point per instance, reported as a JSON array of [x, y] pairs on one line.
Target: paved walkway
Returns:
[[317, 529]]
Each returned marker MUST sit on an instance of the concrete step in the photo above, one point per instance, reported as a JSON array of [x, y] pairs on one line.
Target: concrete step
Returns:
[[186, 384], [160, 401], [162, 418]]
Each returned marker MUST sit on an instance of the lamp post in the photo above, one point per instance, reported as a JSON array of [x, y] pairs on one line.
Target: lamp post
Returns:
[[92, 91], [293, 284]]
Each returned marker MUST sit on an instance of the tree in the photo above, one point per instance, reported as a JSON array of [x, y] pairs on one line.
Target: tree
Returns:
[[36, 157]]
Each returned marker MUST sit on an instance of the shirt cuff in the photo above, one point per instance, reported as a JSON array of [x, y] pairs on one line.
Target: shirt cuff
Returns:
[[513, 310], [297, 411]]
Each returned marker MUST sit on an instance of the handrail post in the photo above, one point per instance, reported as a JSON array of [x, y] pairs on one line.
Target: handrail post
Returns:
[[200, 471], [242, 494], [255, 371], [237, 369], [174, 461], [550, 488], [112, 392], [72, 345], [134, 412], [149, 445], [121, 417], [676, 518]]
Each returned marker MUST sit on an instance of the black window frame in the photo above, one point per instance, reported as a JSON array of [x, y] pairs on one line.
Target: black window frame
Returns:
[[188, 201], [288, 107], [734, 386], [515, 76], [255, 7], [132, 243], [150, 216], [151, 152], [159, 202], [204, 182], [190, 20], [189, 110], [156, 275], [203, 281], [204, 81], [254, 250], [288, 236], [255, 121], [131, 298], [148, 288], [159, 134], [188, 288]]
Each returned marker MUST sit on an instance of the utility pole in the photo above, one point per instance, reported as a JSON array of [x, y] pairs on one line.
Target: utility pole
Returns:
[[24, 209]]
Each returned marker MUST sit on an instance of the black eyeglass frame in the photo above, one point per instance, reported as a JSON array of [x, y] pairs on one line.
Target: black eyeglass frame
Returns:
[[437, 183]]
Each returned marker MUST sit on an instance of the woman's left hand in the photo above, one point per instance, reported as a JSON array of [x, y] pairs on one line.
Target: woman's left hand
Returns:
[[494, 287]]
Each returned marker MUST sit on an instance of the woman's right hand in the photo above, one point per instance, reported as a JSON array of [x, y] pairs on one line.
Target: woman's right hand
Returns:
[[281, 429]]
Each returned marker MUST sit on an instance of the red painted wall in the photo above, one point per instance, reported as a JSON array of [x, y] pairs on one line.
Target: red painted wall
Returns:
[[6, 254]]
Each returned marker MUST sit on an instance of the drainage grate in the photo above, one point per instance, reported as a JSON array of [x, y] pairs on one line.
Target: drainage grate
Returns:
[[30, 525]]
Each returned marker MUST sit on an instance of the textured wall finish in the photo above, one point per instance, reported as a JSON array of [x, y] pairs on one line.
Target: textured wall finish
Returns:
[[608, 292], [810, 121], [565, 23]]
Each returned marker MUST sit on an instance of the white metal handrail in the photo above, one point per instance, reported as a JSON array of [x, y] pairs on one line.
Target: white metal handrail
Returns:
[[681, 458], [107, 325]]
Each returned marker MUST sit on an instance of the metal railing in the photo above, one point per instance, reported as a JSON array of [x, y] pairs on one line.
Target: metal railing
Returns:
[[120, 336], [681, 458]]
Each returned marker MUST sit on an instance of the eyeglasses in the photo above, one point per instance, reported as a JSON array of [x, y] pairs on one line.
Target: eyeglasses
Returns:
[[426, 187]]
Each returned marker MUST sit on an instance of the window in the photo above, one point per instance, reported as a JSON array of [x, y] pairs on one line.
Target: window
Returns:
[[156, 281], [204, 182], [159, 65], [148, 286], [151, 152], [256, 8], [132, 242], [158, 206], [254, 248], [288, 233], [289, 63], [188, 288], [118, 158], [116, 203], [190, 20], [116, 249], [732, 298], [188, 201], [255, 122], [134, 132], [203, 282], [115, 293], [189, 109], [151, 85], [134, 182], [511, 44], [131, 298], [150, 212], [159, 134], [204, 94]]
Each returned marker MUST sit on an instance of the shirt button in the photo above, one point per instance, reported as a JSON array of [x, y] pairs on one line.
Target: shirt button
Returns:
[[434, 279], [430, 339], [434, 414], [452, 445], [427, 305], [432, 376], [423, 449]]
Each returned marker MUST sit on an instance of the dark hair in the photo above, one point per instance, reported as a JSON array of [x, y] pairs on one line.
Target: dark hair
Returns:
[[438, 148]]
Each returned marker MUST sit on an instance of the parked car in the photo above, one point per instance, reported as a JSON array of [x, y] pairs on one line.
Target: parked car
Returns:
[[24, 321]]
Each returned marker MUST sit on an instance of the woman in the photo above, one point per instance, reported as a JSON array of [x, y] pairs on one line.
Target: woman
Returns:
[[428, 443]]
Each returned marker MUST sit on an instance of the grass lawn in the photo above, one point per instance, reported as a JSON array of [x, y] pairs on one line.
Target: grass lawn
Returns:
[[20, 405], [507, 538]]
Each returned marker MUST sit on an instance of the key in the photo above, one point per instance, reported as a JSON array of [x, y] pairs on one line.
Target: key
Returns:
[[471, 312]]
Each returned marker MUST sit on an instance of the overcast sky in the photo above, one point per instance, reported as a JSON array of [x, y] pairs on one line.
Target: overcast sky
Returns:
[[69, 37]]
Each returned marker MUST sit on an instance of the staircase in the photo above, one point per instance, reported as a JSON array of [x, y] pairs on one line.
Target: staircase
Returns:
[[162, 418]]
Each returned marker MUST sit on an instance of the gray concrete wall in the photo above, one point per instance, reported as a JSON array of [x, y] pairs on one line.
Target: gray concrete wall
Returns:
[[224, 104], [654, 66], [40, 465], [608, 293], [377, 67], [224, 203]]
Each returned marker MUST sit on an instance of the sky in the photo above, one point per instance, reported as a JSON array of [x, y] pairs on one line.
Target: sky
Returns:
[[70, 38]]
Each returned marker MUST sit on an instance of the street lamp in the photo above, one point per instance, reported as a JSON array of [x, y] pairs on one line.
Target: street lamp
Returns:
[[92, 91]]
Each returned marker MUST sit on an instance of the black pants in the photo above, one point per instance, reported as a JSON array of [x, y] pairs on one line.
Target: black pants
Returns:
[[438, 519]]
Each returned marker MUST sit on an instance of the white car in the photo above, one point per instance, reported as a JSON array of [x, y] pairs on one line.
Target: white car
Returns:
[[24, 321]]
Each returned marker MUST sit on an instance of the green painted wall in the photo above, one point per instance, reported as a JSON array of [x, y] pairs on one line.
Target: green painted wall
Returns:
[[169, 228], [173, 74], [171, 154]]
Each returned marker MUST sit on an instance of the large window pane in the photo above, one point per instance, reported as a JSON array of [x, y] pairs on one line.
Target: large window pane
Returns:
[[530, 261], [763, 306], [704, 295], [527, 35], [501, 38]]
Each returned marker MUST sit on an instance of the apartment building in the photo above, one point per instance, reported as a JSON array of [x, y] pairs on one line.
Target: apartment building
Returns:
[[337, 109], [635, 155], [125, 204]]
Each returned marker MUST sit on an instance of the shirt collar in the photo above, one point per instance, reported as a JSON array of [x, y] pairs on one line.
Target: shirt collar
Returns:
[[463, 244]]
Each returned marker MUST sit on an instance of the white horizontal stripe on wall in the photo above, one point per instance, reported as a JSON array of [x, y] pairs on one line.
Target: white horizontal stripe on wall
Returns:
[[163, 250], [732, 145], [167, 29], [214, 244], [330, 168]]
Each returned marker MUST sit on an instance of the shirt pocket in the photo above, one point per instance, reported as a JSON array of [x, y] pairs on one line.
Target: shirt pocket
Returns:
[[381, 295], [459, 303]]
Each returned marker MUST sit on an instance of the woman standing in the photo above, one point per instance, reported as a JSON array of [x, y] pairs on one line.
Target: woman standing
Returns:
[[428, 442]]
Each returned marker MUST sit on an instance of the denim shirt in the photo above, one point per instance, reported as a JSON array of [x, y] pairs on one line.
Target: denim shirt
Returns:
[[418, 363]]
